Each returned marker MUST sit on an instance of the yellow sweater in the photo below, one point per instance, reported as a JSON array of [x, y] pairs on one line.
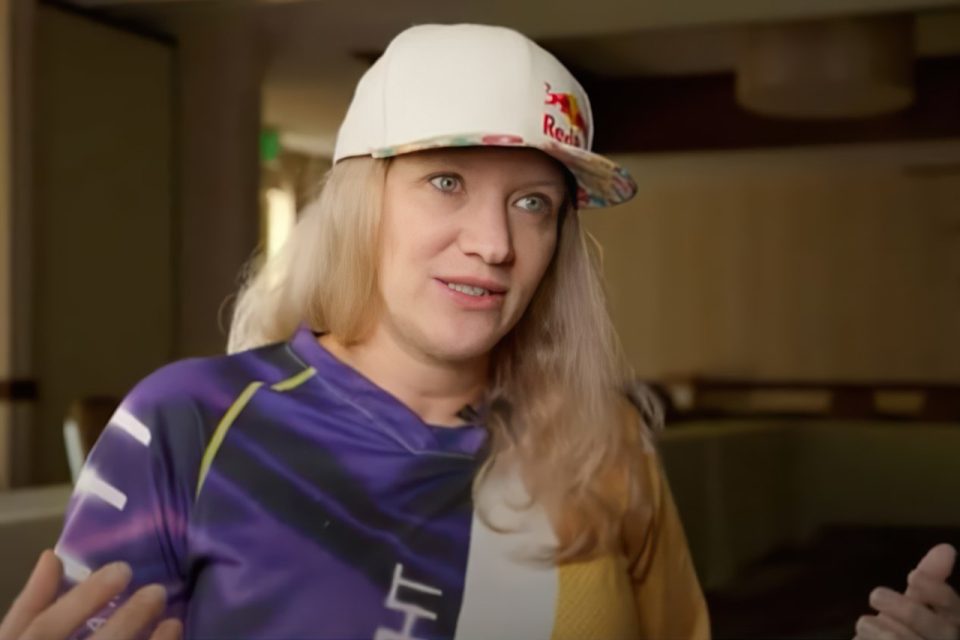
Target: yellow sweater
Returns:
[[650, 591]]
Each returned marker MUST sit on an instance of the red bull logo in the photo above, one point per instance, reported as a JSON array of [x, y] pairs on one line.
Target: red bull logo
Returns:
[[574, 130]]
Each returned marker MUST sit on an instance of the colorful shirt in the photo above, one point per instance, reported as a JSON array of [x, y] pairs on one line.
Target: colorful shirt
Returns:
[[278, 493]]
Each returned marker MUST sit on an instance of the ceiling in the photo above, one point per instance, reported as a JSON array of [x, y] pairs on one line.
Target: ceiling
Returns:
[[310, 46]]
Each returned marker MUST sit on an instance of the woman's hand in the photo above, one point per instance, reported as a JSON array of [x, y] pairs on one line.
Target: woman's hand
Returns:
[[928, 610], [35, 616]]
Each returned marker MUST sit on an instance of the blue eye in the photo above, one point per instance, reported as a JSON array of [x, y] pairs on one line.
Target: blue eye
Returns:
[[534, 204], [446, 183]]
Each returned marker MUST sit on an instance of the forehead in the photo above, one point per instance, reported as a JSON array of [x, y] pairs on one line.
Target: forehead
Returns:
[[529, 163]]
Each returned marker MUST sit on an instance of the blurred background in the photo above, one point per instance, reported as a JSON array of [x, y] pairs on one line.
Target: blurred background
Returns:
[[788, 278]]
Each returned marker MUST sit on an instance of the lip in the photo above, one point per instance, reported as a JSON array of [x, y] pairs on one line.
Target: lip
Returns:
[[490, 285], [493, 300]]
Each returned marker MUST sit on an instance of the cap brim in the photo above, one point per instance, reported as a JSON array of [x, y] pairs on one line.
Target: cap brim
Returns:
[[602, 182]]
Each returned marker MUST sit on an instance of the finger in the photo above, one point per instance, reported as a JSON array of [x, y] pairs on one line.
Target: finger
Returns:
[[939, 561], [168, 630], [79, 604], [865, 628], [37, 594], [135, 615], [912, 615], [934, 593], [898, 630], [883, 628]]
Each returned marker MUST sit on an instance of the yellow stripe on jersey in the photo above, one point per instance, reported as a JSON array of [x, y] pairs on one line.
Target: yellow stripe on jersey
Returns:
[[221, 431], [228, 418], [294, 381]]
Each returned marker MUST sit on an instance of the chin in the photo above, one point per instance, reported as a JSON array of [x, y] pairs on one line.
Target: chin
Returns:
[[453, 345]]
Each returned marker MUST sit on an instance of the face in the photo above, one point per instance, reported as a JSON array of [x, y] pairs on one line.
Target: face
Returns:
[[467, 235]]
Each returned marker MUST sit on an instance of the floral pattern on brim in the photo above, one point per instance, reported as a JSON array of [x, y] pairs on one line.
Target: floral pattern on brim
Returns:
[[602, 182]]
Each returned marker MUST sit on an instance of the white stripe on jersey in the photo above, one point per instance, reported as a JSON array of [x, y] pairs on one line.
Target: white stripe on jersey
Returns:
[[91, 483], [132, 425], [73, 569]]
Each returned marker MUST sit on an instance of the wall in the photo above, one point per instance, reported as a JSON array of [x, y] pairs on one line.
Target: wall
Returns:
[[143, 208], [837, 264], [817, 264], [6, 200], [218, 80], [103, 218]]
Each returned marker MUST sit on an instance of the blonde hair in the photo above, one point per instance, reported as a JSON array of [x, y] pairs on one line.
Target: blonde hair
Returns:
[[556, 401], [325, 274]]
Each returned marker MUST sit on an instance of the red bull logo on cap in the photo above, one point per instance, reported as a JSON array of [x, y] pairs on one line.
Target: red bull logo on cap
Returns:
[[574, 130]]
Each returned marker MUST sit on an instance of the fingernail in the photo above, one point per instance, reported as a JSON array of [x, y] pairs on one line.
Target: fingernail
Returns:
[[169, 629], [119, 571], [879, 596], [154, 592]]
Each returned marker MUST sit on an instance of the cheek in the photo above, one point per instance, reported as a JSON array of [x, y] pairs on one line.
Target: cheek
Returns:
[[394, 263], [408, 248], [388, 254], [536, 254]]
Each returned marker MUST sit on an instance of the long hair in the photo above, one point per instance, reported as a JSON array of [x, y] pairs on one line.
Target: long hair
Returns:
[[325, 274], [556, 401]]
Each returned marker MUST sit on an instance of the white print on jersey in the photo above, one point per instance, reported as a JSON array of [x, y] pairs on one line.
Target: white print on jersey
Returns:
[[90, 483], [132, 425], [411, 611]]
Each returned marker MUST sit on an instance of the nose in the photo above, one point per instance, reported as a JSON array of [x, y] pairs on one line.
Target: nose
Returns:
[[485, 232]]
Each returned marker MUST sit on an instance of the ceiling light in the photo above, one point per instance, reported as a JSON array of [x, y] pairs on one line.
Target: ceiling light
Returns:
[[840, 68]]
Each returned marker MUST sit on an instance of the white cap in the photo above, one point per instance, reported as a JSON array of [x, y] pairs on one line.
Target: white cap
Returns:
[[477, 85]]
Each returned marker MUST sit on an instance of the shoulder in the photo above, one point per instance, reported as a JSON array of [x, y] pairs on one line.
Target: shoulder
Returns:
[[201, 390], [165, 423]]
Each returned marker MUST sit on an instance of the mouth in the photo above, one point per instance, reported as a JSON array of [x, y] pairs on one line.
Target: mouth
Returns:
[[474, 288]]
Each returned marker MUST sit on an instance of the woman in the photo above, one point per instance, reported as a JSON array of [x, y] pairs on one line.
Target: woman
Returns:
[[423, 430]]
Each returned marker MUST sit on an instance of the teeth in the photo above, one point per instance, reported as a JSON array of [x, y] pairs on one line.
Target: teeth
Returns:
[[467, 289]]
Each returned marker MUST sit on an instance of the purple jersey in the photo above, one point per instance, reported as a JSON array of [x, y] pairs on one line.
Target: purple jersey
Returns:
[[278, 493]]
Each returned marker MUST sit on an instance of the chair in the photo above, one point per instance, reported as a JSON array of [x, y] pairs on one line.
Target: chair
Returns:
[[86, 419]]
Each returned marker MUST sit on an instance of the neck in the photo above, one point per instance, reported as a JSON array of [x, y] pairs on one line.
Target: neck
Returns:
[[435, 390]]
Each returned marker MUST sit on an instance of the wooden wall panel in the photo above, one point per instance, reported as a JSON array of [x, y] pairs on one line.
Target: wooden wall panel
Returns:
[[839, 270]]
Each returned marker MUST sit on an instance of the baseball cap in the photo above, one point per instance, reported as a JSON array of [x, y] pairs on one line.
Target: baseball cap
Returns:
[[468, 85]]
